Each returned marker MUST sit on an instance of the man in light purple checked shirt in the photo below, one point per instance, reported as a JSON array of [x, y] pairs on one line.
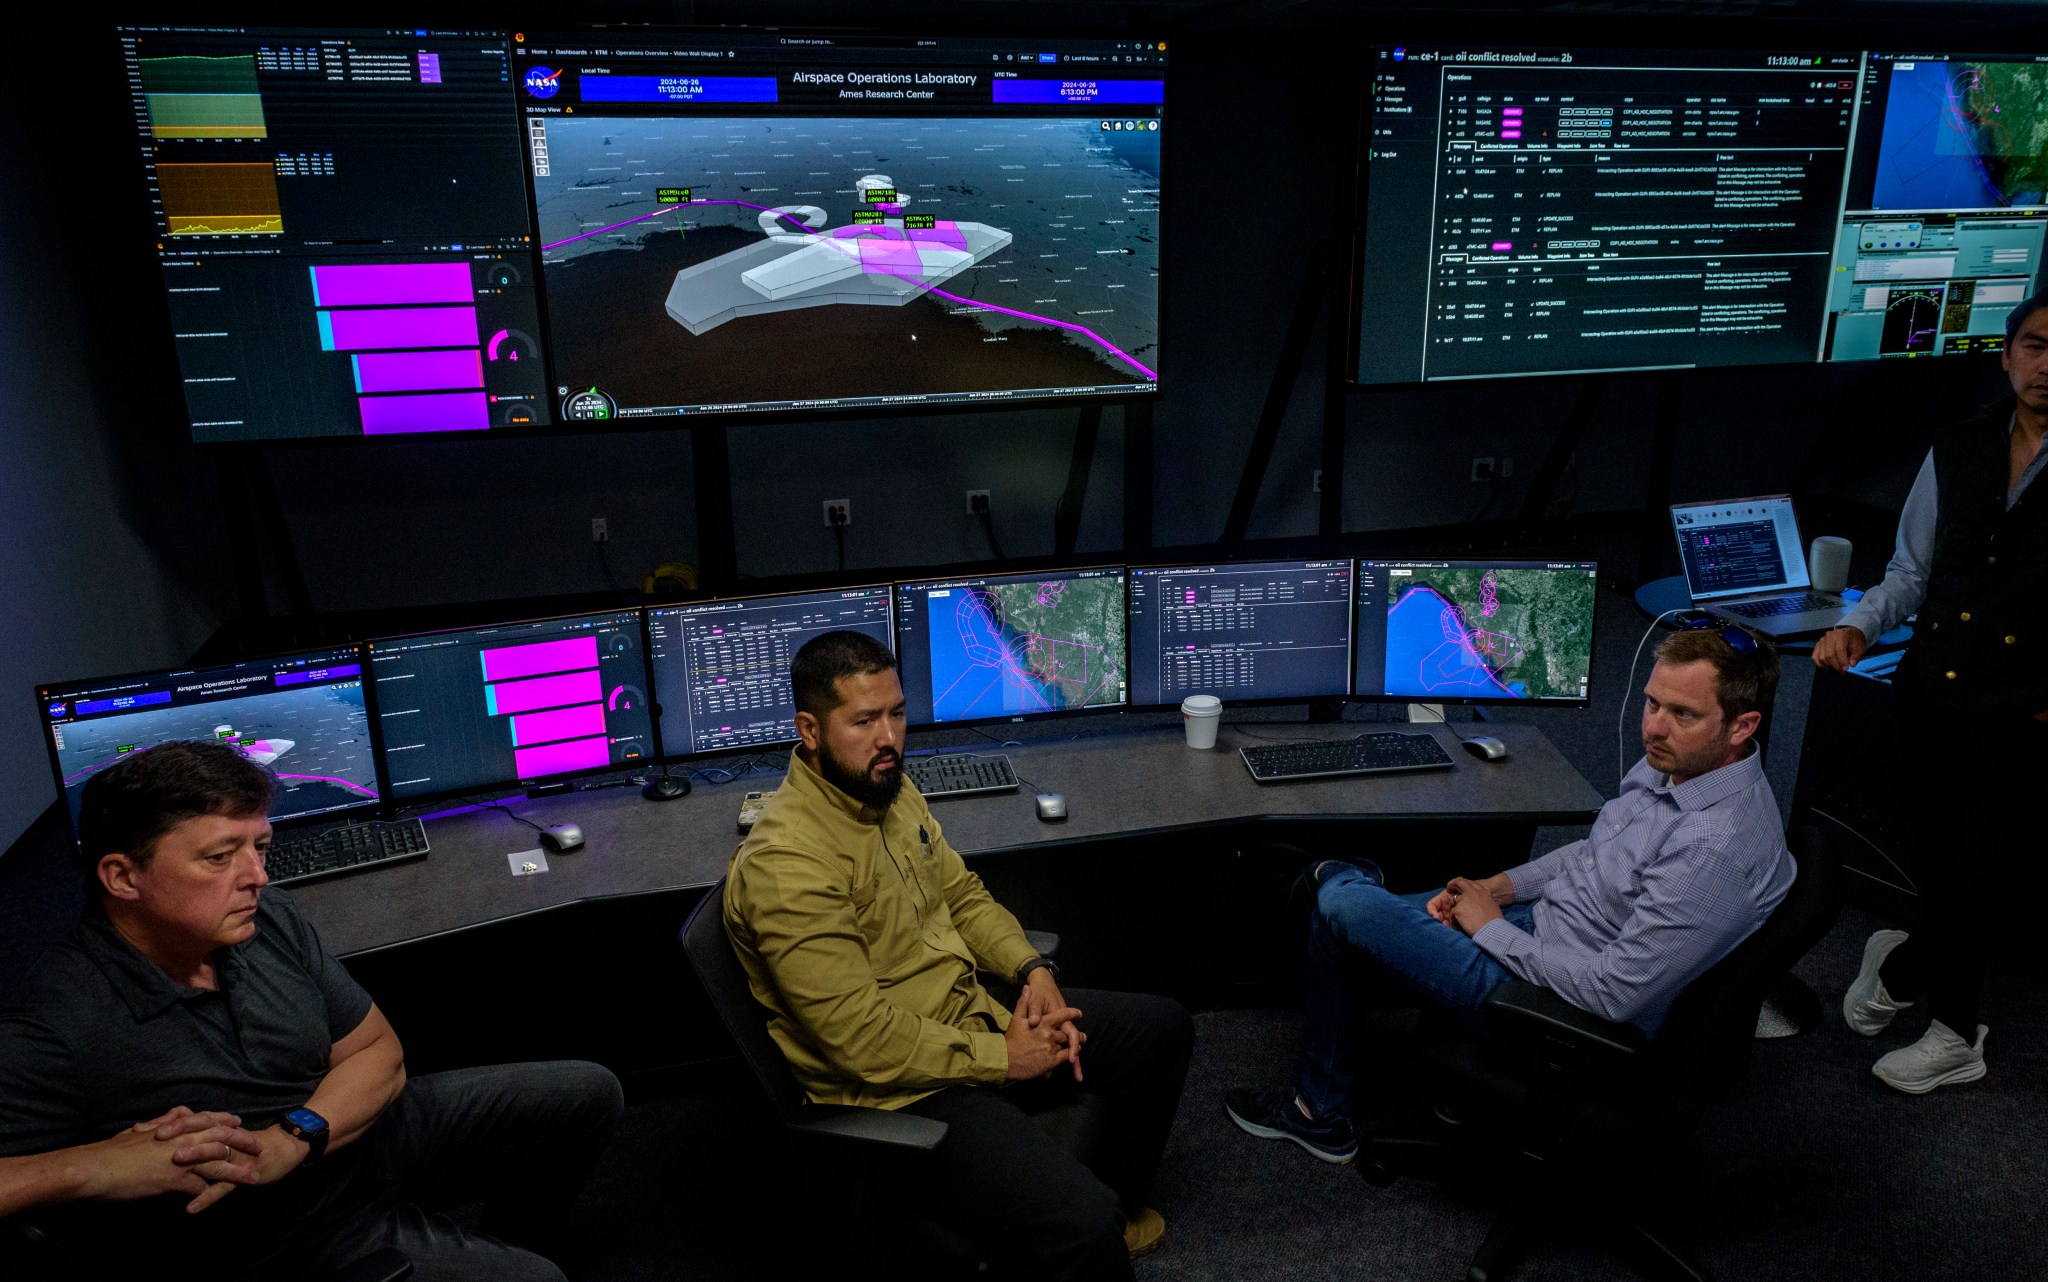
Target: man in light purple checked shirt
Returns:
[[1678, 870]]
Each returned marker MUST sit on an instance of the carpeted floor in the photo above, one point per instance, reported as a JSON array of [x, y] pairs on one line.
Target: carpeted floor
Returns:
[[1812, 1169]]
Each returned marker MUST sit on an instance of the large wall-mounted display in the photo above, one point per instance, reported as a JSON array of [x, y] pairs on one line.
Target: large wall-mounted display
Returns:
[[342, 229], [1548, 210], [769, 222], [360, 231]]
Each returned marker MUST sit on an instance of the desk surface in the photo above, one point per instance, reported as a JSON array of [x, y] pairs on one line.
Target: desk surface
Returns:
[[1134, 778]]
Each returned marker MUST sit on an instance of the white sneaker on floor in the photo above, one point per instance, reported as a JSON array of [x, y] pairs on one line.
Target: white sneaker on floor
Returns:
[[1867, 1006], [1937, 1059]]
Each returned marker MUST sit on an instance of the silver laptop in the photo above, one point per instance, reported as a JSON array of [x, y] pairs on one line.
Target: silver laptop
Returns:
[[1745, 562]]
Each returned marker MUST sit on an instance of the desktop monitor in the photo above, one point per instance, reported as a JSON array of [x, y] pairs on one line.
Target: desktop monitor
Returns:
[[1261, 631], [721, 668], [300, 716], [511, 703], [761, 222], [988, 647], [1575, 210], [1475, 631], [341, 227]]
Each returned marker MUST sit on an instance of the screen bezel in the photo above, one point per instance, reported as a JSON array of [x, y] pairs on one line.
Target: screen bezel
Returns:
[[1796, 576], [1592, 623], [379, 805], [884, 407], [652, 760], [1350, 631], [1014, 718], [647, 623], [1626, 35]]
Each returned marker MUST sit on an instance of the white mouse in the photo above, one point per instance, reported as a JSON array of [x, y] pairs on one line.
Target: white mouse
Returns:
[[1052, 807]]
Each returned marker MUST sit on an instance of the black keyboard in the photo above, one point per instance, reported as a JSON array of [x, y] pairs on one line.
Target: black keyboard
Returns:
[[295, 857], [1782, 605], [959, 774], [1383, 753]]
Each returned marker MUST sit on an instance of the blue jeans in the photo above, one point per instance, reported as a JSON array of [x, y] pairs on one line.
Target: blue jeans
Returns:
[[1358, 920]]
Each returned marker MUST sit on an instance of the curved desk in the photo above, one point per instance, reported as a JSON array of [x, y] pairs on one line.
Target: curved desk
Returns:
[[1166, 878], [1124, 781]]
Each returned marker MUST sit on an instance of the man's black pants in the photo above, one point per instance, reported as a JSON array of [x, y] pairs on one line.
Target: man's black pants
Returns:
[[1031, 1206], [1974, 783], [520, 1138]]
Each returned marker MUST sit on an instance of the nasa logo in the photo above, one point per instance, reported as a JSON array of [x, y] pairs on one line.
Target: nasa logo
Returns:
[[56, 709], [542, 83]]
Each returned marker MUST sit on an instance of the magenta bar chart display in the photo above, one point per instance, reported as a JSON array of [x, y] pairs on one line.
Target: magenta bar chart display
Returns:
[[560, 758], [436, 412], [372, 329], [580, 721], [418, 371], [391, 284], [538, 693], [514, 661]]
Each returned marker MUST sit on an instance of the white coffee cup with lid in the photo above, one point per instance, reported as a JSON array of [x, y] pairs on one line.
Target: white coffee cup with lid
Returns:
[[1200, 714]]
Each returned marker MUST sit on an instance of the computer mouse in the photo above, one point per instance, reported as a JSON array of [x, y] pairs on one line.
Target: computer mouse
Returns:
[[666, 788], [1052, 807], [1486, 747], [562, 837]]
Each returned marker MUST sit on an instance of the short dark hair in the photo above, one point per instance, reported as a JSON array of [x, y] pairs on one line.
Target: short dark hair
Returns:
[[129, 806], [1742, 682], [2020, 315], [815, 671]]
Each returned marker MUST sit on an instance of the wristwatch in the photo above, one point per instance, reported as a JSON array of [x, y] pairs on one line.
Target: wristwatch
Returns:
[[305, 1124], [1024, 971]]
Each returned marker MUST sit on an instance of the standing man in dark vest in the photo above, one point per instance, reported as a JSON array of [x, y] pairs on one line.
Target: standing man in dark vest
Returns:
[[1972, 559]]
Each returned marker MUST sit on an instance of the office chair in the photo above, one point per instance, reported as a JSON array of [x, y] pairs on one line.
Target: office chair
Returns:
[[44, 1258], [840, 1133], [1575, 1113]]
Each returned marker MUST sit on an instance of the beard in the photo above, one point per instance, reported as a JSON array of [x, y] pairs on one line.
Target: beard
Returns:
[[861, 785]]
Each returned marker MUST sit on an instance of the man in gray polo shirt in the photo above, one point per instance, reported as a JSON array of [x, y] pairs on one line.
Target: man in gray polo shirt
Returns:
[[188, 986]]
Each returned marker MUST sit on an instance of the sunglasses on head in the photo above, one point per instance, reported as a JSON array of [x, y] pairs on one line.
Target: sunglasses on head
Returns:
[[1739, 638]]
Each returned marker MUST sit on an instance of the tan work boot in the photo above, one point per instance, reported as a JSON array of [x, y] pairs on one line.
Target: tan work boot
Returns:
[[1143, 1232]]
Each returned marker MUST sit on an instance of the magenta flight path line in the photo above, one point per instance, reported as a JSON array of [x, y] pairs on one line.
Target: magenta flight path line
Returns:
[[346, 783], [1108, 346]]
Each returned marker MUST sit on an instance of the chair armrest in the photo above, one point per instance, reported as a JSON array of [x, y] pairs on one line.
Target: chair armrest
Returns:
[[1043, 942], [1535, 1015], [385, 1264], [869, 1126]]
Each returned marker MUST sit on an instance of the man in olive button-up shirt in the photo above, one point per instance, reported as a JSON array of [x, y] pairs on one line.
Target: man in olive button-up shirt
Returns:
[[865, 935]]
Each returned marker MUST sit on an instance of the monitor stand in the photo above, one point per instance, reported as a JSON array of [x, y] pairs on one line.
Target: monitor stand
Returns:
[[1324, 711], [1422, 713]]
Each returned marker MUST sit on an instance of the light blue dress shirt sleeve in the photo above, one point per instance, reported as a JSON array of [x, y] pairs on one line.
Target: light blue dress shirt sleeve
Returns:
[[1886, 606]]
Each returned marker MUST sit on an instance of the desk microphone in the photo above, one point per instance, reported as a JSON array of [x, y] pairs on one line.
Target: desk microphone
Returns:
[[667, 787]]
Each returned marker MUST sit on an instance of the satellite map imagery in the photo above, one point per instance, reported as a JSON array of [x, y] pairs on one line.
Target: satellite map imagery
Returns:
[[696, 261], [1009, 648], [1491, 634], [1964, 135], [315, 741]]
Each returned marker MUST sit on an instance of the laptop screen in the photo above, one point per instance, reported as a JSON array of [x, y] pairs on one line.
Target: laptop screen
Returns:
[[1736, 547]]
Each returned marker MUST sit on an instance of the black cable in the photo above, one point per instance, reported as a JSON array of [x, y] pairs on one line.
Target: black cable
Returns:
[[988, 525], [738, 770], [504, 810], [1492, 496], [604, 563]]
